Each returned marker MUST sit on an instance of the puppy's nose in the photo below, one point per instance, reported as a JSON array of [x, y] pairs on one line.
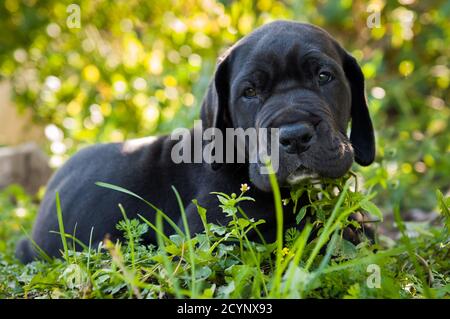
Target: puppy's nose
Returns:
[[296, 138]]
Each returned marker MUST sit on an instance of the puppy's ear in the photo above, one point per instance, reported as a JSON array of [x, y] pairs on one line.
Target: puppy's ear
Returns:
[[214, 111], [362, 135]]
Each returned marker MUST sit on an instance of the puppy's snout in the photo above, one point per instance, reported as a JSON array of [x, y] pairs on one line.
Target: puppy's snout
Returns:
[[297, 138]]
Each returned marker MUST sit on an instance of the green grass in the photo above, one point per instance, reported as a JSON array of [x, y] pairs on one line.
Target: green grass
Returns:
[[222, 262]]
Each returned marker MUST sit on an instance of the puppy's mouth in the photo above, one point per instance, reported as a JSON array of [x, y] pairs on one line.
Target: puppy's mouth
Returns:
[[300, 174]]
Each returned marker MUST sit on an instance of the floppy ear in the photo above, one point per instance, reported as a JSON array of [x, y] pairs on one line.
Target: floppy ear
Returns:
[[362, 135], [214, 111]]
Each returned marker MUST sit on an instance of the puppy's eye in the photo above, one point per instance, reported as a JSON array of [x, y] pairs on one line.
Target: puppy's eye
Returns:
[[250, 93], [325, 77]]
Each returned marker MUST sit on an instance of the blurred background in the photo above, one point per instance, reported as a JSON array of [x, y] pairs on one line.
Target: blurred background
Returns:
[[104, 71]]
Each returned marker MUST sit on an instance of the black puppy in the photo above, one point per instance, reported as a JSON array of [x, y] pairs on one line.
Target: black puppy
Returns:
[[285, 75]]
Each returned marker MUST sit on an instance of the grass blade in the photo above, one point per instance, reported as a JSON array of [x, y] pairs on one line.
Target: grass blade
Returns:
[[130, 237], [166, 262], [279, 234], [189, 242], [324, 235], [61, 227], [412, 255]]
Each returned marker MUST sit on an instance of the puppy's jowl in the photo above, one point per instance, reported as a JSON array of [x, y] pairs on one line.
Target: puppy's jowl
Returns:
[[289, 76]]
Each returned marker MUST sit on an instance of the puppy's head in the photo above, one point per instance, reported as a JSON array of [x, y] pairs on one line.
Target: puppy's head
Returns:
[[294, 77]]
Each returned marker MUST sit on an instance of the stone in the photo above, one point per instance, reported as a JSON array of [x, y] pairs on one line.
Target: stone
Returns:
[[26, 165]]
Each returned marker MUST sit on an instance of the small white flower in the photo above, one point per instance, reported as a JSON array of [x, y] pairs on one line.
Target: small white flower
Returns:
[[244, 188]]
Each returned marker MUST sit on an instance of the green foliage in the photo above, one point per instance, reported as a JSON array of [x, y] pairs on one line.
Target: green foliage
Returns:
[[140, 68], [221, 262]]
